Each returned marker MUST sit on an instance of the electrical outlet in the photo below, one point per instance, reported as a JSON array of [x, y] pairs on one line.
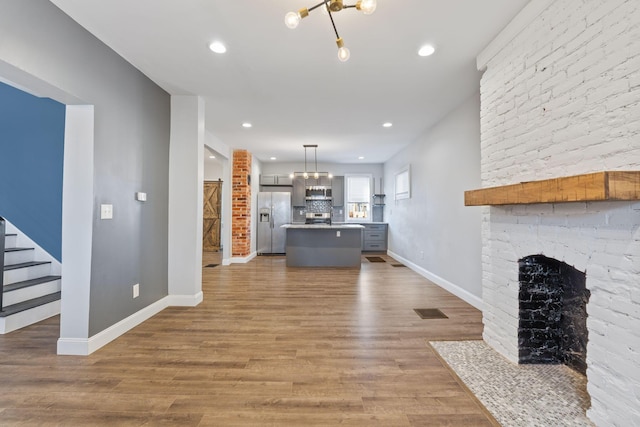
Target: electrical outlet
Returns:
[[106, 211], [338, 233], [136, 290]]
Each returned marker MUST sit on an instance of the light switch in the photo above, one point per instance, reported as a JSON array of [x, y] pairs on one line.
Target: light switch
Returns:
[[106, 211], [141, 197]]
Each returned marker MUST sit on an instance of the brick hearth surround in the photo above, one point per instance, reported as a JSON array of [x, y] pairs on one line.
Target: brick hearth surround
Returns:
[[563, 98], [241, 204]]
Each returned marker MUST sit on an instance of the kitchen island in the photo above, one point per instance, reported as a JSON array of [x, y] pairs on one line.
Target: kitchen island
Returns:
[[323, 245]]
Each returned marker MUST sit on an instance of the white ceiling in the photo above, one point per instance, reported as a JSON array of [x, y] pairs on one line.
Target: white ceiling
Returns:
[[289, 83]]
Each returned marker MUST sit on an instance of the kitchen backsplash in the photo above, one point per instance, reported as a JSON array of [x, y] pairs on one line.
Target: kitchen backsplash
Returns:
[[319, 206]]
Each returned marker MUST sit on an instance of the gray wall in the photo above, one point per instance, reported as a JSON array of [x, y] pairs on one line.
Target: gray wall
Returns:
[[433, 229], [131, 149]]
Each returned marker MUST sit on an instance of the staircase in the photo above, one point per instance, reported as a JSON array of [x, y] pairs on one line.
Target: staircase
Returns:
[[31, 291]]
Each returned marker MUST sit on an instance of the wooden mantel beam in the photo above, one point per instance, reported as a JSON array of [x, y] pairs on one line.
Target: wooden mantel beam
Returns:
[[592, 187]]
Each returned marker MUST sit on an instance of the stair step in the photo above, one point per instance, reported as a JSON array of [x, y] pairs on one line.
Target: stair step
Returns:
[[26, 305], [10, 240], [25, 271], [29, 283], [9, 267], [26, 290], [18, 255]]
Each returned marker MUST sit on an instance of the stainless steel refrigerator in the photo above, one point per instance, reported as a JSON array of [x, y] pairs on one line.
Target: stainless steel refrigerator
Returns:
[[274, 210]]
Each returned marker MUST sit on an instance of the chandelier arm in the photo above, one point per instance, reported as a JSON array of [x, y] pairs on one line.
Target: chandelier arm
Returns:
[[333, 23], [347, 6], [318, 5]]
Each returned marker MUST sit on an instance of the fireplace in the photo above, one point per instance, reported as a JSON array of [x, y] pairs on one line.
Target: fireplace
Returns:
[[552, 324], [560, 169], [601, 239]]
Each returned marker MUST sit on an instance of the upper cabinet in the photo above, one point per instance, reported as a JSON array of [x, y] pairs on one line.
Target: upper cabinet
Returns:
[[337, 190], [298, 198], [273, 179], [323, 181]]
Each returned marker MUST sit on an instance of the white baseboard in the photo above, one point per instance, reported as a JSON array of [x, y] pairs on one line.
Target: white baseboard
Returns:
[[86, 346], [443, 283], [185, 300], [240, 260]]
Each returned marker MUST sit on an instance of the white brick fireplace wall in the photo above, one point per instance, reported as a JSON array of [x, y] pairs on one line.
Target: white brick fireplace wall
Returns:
[[561, 98]]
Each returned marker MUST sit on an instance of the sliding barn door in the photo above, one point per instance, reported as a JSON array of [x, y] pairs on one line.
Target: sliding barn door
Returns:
[[211, 216]]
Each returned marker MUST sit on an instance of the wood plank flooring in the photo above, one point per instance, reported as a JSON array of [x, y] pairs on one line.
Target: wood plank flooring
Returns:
[[269, 346]]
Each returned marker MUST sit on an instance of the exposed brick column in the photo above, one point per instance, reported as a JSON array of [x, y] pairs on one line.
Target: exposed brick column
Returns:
[[241, 204]]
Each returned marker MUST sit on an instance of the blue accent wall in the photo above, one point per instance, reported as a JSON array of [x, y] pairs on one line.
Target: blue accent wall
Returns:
[[31, 163]]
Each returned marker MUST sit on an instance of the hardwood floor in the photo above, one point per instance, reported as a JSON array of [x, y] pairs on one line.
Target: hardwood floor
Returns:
[[269, 345]]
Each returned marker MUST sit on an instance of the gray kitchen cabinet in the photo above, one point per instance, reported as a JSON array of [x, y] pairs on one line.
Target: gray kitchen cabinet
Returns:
[[374, 237], [299, 192], [337, 191], [325, 181], [275, 180]]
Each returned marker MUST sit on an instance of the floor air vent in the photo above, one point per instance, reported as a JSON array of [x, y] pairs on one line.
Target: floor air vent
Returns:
[[430, 313]]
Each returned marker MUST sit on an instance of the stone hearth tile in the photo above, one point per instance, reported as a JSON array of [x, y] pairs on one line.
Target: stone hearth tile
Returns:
[[518, 395]]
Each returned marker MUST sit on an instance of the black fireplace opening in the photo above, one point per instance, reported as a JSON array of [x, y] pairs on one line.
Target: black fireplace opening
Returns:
[[552, 326]]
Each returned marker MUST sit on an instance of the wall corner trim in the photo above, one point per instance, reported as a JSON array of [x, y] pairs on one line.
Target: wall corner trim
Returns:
[[530, 12], [86, 346], [443, 283]]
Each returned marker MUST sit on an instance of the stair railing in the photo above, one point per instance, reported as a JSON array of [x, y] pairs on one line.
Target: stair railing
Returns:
[[2, 237]]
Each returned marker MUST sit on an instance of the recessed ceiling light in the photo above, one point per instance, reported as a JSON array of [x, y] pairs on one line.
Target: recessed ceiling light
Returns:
[[218, 47], [247, 125], [361, 158], [212, 157], [426, 50], [387, 124], [272, 158]]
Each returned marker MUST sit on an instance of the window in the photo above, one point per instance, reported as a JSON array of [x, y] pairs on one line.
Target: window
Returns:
[[358, 198], [403, 183]]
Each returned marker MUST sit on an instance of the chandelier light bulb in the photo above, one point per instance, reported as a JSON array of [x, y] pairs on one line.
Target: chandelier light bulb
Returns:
[[292, 19], [367, 6], [343, 54]]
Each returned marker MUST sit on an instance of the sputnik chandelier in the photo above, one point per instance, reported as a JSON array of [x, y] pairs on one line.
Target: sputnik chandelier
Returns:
[[292, 19]]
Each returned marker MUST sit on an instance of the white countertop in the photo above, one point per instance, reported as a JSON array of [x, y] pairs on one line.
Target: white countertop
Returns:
[[323, 226]]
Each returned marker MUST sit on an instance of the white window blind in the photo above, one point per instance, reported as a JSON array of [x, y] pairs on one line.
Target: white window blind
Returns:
[[358, 189]]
